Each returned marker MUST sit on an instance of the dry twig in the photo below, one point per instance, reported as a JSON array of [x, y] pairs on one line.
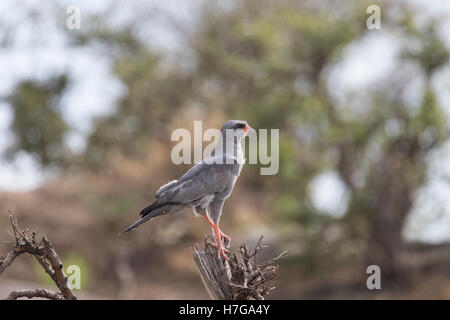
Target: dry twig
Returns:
[[37, 293], [26, 241]]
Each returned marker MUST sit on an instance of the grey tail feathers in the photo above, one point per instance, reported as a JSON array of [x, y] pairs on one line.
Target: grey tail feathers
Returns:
[[149, 212]]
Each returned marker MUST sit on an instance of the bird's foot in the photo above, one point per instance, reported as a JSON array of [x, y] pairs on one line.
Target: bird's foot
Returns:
[[221, 251], [226, 239]]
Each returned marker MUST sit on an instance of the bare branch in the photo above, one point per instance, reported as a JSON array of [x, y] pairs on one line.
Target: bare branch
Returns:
[[37, 293], [46, 256], [59, 276], [8, 260]]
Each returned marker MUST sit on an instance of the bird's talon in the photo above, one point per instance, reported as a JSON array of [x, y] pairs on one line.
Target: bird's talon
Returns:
[[221, 248], [226, 239], [225, 236], [221, 251]]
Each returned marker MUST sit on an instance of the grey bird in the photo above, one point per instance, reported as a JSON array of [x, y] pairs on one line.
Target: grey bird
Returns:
[[205, 186]]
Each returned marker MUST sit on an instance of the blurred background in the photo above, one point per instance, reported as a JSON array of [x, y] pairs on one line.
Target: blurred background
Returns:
[[86, 118]]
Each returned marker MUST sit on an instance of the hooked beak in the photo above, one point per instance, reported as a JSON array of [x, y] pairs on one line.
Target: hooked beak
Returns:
[[247, 127]]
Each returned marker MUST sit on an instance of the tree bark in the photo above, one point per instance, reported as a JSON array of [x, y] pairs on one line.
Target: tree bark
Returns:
[[240, 278]]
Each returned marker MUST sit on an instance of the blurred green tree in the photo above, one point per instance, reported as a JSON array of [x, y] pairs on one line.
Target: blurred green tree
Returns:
[[38, 125], [155, 92]]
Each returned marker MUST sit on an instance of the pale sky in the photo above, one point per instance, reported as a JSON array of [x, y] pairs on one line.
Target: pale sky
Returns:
[[40, 49]]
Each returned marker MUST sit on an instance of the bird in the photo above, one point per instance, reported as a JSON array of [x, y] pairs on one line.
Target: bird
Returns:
[[205, 186]]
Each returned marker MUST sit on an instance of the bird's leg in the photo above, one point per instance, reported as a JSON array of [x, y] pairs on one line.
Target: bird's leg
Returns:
[[220, 249], [226, 238]]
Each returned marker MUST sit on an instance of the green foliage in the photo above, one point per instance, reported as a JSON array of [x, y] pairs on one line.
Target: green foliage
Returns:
[[38, 125], [429, 49], [154, 96]]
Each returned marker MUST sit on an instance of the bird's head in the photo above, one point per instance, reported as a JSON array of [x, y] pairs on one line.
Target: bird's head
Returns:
[[237, 128]]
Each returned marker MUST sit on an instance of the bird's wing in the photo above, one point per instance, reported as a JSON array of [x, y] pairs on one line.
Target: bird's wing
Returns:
[[165, 189], [195, 170], [201, 180]]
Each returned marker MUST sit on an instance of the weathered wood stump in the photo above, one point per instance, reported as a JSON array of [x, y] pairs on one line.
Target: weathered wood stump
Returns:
[[240, 278]]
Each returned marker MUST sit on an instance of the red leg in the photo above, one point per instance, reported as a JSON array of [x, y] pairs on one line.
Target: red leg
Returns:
[[227, 238], [220, 249], [206, 217]]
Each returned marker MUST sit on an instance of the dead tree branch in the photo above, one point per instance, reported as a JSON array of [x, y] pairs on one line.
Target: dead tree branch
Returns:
[[241, 278], [26, 241], [37, 293]]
